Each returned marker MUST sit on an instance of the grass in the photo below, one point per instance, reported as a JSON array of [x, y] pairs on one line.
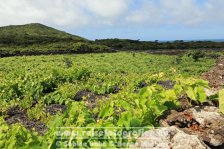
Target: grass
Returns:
[[33, 33]]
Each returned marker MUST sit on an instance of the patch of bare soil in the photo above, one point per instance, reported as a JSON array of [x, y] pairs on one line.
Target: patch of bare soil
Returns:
[[168, 52], [168, 84], [216, 75], [91, 98], [187, 103], [16, 115], [53, 109]]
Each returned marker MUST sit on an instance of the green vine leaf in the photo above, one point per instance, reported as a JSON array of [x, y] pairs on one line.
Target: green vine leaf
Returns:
[[201, 94], [221, 101], [190, 93]]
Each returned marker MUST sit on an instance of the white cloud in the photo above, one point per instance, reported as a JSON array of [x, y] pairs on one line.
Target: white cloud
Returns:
[[147, 13], [183, 11], [57, 12], [61, 12], [215, 11], [177, 12], [105, 12], [76, 13], [12, 12], [106, 8]]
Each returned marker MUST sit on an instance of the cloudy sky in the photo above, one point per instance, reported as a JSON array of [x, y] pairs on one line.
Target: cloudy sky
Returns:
[[135, 19]]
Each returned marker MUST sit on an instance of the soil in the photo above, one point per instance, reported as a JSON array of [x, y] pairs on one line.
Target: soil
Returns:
[[168, 84], [16, 115], [168, 52], [142, 84], [115, 89], [187, 103], [89, 97], [5, 53], [84, 94], [55, 108], [216, 75], [180, 52]]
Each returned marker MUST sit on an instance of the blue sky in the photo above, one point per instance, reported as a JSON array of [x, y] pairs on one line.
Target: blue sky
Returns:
[[134, 19]]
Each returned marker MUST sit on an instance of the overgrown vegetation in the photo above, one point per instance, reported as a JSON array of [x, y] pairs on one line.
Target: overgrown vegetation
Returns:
[[137, 45], [115, 90]]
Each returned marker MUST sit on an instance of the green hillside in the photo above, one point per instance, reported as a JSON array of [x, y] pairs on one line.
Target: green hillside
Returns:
[[36, 39], [33, 33]]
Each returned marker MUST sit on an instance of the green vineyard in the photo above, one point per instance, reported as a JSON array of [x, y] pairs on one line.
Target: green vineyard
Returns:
[[42, 94]]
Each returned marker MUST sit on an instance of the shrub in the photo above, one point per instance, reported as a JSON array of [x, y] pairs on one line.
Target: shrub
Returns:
[[196, 54]]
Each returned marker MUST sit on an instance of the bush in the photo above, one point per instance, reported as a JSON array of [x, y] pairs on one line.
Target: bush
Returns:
[[213, 55], [82, 47], [196, 54]]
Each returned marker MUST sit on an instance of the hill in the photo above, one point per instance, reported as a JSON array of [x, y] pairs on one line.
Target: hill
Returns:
[[36, 39], [33, 33]]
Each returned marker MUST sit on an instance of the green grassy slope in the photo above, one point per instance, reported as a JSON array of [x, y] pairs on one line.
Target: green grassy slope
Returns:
[[36, 39], [33, 33]]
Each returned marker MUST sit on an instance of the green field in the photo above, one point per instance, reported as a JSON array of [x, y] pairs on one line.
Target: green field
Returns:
[[116, 90]]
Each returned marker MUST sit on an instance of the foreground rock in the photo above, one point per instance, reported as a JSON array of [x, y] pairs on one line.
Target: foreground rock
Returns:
[[210, 92], [167, 138], [205, 122]]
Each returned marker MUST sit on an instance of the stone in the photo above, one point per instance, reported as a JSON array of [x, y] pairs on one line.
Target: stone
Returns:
[[210, 92], [169, 137], [204, 121]]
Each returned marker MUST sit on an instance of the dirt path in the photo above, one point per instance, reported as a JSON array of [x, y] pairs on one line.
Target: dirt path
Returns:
[[215, 75]]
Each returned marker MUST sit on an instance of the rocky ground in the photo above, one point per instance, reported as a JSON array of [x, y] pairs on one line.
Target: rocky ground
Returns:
[[216, 76], [193, 128], [197, 127]]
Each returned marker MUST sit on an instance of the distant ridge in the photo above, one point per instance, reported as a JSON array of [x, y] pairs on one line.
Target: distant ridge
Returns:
[[39, 39], [194, 40], [34, 33]]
